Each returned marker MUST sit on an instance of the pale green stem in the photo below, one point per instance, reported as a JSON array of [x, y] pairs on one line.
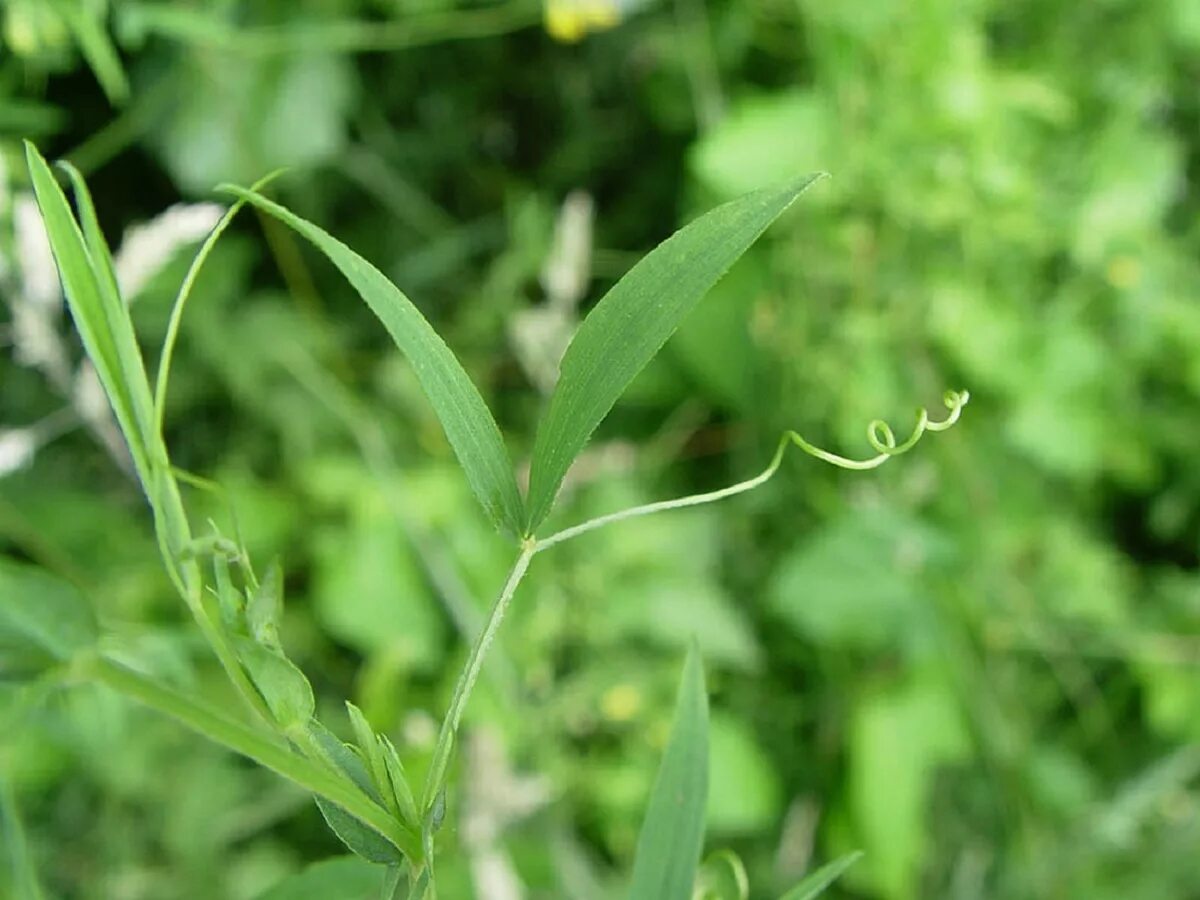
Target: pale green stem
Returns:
[[879, 435], [253, 745], [466, 681]]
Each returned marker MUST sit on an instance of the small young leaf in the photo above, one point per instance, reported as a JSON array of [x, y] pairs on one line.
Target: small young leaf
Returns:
[[464, 415], [287, 692], [361, 839], [816, 883], [405, 802], [265, 607], [632, 322], [672, 835], [232, 602], [370, 751], [42, 611]]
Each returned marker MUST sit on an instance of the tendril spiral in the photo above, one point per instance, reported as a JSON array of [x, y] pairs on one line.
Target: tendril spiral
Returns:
[[881, 437]]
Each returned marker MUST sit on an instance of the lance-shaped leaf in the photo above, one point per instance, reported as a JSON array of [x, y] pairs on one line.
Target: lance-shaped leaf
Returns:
[[632, 322], [672, 836], [464, 415], [100, 316]]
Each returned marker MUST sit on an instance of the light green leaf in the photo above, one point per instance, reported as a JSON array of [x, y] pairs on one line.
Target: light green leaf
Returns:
[[41, 611], [401, 789], [369, 750], [265, 607], [722, 877], [101, 318], [342, 878], [672, 836], [465, 417], [288, 694], [816, 883], [632, 322]]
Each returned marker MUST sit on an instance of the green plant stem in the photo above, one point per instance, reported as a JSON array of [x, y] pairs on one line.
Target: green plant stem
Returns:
[[879, 435], [466, 681], [252, 744], [185, 291]]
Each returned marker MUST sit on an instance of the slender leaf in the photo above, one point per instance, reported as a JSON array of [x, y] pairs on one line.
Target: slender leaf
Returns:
[[86, 20], [672, 836], [816, 883], [632, 322], [464, 415], [371, 753], [101, 318], [93, 236]]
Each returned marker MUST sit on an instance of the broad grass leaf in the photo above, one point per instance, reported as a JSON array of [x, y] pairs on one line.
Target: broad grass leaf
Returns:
[[101, 318], [42, 612], [632, 322], [818, 881], [672, 835], [465, 417]]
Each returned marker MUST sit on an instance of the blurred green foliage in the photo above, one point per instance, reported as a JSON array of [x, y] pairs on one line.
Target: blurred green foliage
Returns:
[[978, 664]]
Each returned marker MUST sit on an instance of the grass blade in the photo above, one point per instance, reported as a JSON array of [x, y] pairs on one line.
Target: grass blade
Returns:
[[632, 322], [464, 415], [672, 836], [816, 883], [101, 318]]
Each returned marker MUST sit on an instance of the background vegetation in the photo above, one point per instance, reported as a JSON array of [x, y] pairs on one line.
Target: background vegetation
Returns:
[[977, 664]]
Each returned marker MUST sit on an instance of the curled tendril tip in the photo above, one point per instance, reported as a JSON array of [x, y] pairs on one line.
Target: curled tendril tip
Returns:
[[881, 437]]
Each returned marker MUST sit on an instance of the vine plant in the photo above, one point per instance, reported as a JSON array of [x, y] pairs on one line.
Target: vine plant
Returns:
[[362, 788]]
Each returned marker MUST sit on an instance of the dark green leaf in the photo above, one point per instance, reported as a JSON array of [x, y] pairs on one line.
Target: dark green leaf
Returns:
[[632, 322], [464, 415], [672, 835]]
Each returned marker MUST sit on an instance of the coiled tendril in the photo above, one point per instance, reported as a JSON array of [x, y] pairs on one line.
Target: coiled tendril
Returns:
[[879, 435]]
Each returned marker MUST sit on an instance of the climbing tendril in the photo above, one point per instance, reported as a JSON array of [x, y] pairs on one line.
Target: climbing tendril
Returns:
[[879, 435]]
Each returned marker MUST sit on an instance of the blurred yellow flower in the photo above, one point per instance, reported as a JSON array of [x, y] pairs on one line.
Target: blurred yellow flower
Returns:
[[572, 20]]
